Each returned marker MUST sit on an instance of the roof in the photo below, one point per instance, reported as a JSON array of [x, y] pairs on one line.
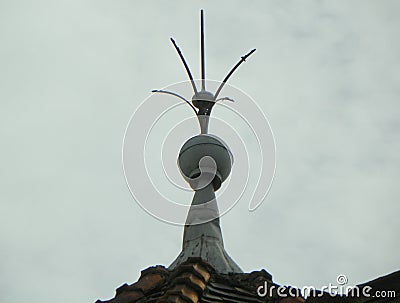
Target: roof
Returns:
[[196, 281], [192, 281]]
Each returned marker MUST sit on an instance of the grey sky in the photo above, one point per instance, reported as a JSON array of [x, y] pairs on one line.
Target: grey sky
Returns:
[[326, 74]]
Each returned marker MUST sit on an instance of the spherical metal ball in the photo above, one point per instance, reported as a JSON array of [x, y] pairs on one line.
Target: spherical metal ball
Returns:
[[205, 145]]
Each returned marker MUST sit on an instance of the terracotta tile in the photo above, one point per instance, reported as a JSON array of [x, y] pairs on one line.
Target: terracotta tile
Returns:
[[184, 292], [191, 280], [149, 281]]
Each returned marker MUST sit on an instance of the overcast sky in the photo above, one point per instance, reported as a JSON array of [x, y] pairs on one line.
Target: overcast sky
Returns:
[[326, 74]]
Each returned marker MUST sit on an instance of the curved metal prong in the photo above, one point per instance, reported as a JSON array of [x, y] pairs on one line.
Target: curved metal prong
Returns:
[[176, 95], [184, 64], [242, 59]]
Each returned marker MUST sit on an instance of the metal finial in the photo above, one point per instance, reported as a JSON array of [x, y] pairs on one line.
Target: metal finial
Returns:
[[205, 162], [203, 101]]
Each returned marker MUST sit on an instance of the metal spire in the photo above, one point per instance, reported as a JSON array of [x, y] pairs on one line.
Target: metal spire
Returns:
[[202, 235]]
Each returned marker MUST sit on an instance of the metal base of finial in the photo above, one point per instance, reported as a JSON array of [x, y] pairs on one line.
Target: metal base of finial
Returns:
[[205, 240]]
